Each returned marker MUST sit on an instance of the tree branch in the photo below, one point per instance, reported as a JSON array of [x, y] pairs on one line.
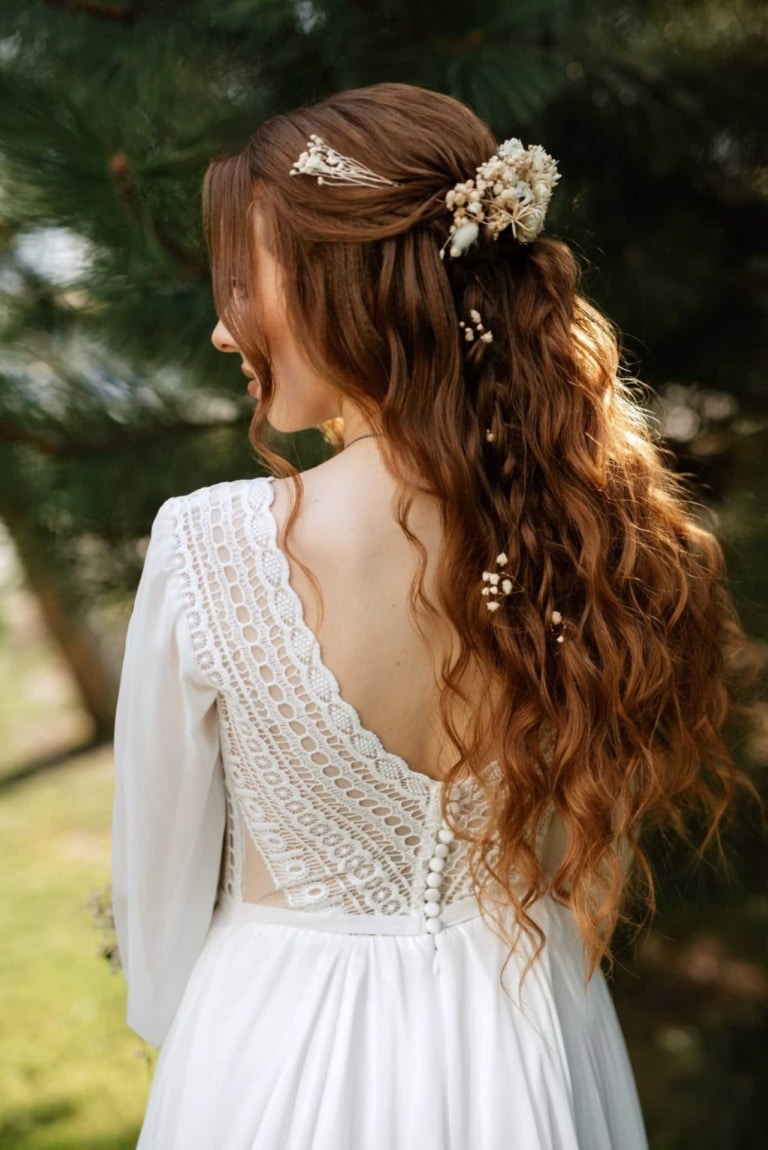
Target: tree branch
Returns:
[[127, 190]]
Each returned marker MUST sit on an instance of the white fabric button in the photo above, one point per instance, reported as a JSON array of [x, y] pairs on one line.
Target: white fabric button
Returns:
[[431, 909], [434, 878], [432, 895], [446, 835], [441, 851], [433, 925], [437, 864]]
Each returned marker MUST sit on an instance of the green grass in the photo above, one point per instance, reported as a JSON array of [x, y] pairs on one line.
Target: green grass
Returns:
[[40, 711], [71, 1073]]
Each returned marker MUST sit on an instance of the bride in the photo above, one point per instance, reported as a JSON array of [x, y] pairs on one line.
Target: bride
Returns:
[[389, 730]]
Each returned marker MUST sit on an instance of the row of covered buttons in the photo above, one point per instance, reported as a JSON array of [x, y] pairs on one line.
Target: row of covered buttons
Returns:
[[432, 895]]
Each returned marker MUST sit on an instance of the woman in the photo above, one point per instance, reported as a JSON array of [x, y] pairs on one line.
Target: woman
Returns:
[[371, 845]]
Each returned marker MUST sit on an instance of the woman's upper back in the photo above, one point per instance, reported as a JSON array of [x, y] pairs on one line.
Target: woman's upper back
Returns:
[[347, 534]]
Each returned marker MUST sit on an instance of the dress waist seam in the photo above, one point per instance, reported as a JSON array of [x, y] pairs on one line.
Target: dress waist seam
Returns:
[[230, 909]]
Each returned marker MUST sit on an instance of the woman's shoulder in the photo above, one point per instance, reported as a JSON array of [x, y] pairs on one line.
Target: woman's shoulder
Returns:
[[187, 527], [224, 495]]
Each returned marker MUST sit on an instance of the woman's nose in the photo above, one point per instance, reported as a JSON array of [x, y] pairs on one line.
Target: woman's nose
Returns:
[[221, 338]]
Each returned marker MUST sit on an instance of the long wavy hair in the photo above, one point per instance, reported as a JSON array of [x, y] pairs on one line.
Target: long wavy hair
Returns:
[[625, 724]]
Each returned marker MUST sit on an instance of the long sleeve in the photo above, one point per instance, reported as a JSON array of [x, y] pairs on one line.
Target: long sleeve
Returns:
[[169, 801]]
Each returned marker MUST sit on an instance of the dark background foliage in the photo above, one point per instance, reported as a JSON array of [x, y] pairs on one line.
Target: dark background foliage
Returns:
[[112, 397]]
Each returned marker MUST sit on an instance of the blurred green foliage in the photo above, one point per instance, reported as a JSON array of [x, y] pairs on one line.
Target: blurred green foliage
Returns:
[[109, 113], [112, 397], [72, 1076]]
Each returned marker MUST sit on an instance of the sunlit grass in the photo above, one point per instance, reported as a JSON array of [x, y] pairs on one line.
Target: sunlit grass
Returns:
[[39, 708], [71, 1073]]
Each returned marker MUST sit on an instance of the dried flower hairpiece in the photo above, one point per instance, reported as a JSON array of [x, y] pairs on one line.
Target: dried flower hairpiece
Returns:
[[331, 167], [512, 189]]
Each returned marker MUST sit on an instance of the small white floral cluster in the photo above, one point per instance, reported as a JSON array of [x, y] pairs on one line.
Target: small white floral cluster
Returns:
[[494, 581], [331, 167], [512, 189], [498, 588], [474, 315]]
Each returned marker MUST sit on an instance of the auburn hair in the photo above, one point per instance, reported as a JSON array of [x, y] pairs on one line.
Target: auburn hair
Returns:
[[624, 725]]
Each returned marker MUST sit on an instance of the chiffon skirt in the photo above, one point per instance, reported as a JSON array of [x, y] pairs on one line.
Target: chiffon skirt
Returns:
[[303, 1031]]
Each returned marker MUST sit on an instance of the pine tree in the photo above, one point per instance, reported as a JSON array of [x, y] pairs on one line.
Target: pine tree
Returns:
[[111, 396]]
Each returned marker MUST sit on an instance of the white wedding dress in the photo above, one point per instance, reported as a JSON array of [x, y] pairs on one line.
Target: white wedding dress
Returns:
[[297, 929]]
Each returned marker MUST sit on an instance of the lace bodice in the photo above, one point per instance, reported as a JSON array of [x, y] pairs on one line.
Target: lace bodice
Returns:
[[241, 773], [313, 798]]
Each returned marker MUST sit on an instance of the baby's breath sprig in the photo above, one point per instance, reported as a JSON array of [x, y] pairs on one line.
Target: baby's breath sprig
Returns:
[[330, 166], [557, 621], [497, 587], [469, 335]]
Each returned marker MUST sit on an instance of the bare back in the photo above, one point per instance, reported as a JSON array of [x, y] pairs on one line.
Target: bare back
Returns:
[[347, 534]]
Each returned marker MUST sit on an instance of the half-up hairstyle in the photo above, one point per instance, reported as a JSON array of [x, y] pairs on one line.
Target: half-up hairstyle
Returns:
[[625, 724]]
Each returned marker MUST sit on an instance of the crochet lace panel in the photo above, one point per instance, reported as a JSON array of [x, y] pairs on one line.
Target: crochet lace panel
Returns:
[[339, 823]]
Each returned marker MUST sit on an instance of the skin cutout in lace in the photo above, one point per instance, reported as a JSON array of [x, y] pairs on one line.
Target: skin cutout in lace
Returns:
[[320, 816], [341, 824]]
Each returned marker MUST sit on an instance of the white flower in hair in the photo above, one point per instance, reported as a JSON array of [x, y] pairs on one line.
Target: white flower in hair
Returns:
[[500, 587], [469, 335], [331, 167], [512, 189]]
